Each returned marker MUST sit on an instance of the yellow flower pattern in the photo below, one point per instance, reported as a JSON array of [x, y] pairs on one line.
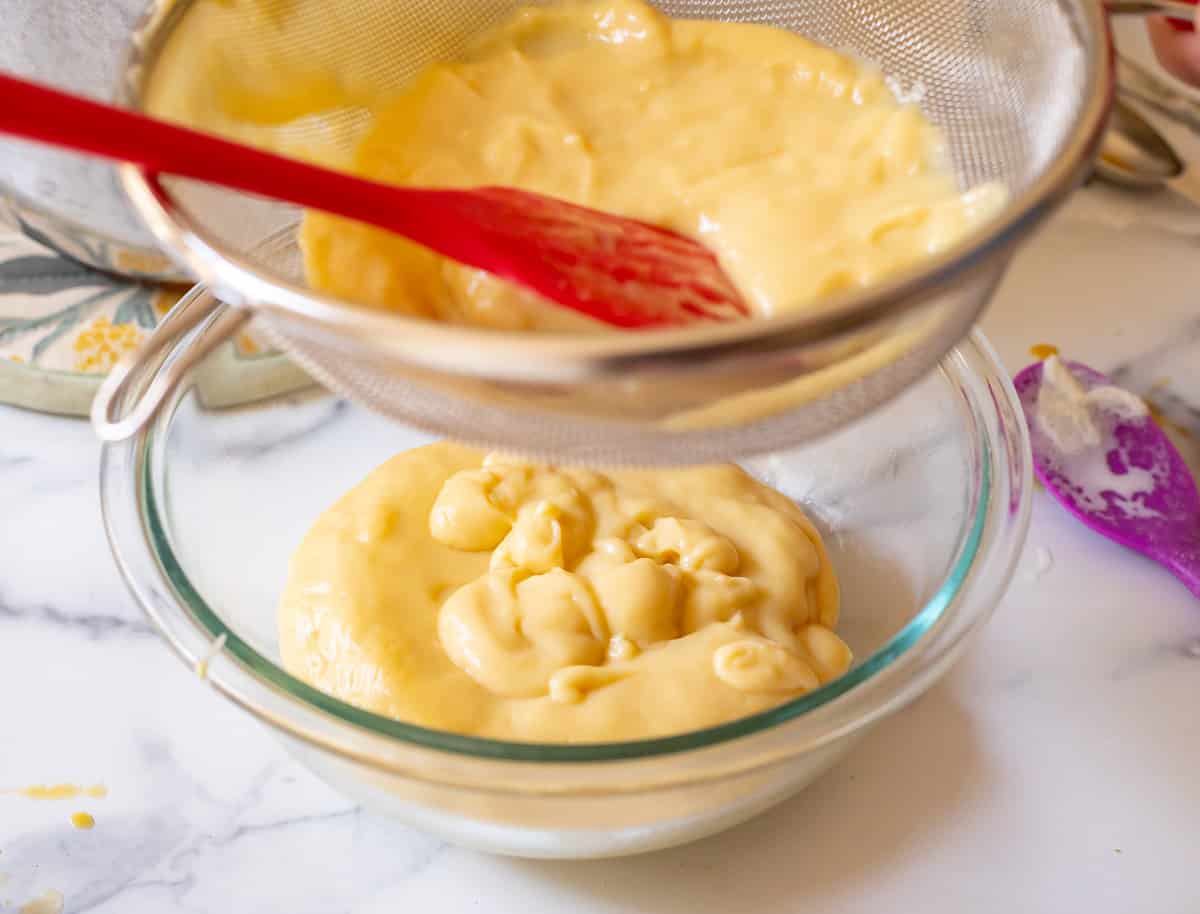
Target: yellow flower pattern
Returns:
[[102, 343], [64, 326], [166, 298], [143, 265]]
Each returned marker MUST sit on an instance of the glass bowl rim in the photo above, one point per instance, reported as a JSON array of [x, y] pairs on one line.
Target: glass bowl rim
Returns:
[[187, 603]]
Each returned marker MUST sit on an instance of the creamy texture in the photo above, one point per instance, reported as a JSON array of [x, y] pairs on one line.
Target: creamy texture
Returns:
[[794, 163], [1075, 418], [513, 600], [1076, 440], [254, 71]]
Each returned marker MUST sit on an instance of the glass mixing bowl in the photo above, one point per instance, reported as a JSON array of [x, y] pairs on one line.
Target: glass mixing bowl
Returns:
[[924, 505]]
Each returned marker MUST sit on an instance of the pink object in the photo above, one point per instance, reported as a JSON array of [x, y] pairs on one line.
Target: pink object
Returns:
[[1160, 518], [620, 271]]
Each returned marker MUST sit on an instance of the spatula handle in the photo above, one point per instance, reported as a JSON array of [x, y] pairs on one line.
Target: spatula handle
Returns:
[[42, 114]]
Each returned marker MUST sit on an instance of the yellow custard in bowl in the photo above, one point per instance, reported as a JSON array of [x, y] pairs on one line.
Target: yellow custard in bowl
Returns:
[[796, 164], [518, 601], [923, 532]]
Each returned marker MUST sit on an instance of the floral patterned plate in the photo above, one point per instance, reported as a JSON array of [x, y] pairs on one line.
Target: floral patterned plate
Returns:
[[64, 325]]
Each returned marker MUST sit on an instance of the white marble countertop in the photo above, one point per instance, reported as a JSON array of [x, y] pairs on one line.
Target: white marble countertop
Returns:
[[1053, 771]]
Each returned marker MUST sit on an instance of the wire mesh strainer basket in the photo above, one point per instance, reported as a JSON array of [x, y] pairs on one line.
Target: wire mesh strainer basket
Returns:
[[1020, 89]]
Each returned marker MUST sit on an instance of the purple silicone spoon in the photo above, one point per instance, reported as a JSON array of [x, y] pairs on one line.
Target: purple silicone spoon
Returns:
[[1100, 453]]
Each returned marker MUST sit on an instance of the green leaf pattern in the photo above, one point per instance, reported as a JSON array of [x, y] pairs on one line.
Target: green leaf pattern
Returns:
[[62, 324], [137, 308], [47, 301]]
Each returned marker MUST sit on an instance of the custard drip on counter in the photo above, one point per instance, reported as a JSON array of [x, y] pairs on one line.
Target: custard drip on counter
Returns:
[[62, 791], [502, 598]]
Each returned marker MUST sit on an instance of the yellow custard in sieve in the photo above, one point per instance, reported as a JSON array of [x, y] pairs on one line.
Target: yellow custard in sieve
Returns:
[[513, 600], [794, 163]]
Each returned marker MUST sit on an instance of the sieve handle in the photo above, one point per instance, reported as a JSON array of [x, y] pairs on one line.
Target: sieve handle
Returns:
[[1175, 8], [123, 405]]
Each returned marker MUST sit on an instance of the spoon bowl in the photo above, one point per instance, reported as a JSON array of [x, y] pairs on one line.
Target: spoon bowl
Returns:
[[1121, 476]]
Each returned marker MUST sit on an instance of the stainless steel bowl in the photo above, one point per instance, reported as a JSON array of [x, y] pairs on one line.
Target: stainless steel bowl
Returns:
[[68, 203]]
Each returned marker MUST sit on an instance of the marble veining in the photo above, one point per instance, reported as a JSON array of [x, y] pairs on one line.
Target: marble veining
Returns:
[[320, 418], [95, 625]]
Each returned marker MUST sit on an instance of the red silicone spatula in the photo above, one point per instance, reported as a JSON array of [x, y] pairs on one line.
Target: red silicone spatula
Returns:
[[1183, 25], [620, 271]]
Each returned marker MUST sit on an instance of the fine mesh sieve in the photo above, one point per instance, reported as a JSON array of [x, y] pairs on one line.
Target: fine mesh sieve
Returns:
[[1020, 89]]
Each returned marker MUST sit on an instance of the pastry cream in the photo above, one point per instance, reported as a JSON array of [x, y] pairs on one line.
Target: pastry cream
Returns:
[[794, 163], [502, 598]]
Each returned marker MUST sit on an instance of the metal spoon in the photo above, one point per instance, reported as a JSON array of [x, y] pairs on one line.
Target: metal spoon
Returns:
[[1181, 10], [1152, 91], [1134, 154]]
